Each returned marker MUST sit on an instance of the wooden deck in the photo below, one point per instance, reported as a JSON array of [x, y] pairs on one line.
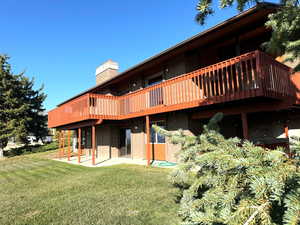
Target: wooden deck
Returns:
[[254, 74]]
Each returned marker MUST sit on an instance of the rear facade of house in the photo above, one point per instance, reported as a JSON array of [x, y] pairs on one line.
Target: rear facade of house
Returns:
[[223, 69]]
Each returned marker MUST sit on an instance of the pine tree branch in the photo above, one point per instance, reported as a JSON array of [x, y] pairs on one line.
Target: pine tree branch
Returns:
[[260, 208]]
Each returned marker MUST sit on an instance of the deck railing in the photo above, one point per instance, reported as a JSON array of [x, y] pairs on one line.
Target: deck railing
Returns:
[[250, 75], [71, 112]]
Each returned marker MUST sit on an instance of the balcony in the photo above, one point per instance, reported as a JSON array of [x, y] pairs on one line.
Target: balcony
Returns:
[[254, 74]]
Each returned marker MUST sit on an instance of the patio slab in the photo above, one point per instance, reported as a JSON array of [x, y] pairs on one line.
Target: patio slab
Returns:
[[86, 161]]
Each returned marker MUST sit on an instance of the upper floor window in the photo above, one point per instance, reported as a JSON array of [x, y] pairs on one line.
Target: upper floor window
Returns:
[[157, 138], [155, 80]]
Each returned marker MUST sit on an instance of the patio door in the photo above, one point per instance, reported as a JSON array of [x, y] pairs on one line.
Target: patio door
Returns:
[[125, 142], [158, 146]]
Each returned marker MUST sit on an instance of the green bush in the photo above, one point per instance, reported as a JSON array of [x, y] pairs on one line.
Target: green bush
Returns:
[[233, 182], [28, 149]]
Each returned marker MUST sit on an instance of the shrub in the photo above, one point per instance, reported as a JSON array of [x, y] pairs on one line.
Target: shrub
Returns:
[[233, 182], [28, 149]]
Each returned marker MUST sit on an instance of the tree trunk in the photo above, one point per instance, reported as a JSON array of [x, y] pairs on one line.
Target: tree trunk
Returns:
[[2, 144]]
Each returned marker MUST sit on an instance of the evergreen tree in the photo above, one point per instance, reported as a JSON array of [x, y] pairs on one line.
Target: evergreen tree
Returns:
[[21, 111], [232, 182], [285, 25]]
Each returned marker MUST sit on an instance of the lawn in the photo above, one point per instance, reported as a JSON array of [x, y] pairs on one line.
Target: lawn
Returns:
[[37, 190]]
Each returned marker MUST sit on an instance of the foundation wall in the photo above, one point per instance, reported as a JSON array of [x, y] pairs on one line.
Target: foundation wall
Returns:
[[103, 140]]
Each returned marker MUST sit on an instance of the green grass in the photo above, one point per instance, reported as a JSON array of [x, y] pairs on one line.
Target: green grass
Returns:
[[36, 190]]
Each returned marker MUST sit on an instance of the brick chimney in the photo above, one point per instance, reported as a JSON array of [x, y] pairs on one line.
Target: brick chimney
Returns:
[[106, 71]]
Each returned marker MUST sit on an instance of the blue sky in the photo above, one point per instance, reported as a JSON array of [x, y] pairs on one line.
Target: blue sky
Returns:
[[61, 42]]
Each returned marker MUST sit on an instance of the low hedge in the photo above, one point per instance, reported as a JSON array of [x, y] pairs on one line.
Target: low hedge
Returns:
[[29, 149]]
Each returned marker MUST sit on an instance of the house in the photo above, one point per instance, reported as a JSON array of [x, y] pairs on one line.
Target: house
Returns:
[[222, 69]]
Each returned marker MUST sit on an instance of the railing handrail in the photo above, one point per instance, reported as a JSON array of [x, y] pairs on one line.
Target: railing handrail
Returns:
[[211, 83], [73, 101], [219, 65], [194, 73], [275, 61]]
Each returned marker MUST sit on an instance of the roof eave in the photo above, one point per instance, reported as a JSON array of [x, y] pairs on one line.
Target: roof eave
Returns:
[[168, 50]]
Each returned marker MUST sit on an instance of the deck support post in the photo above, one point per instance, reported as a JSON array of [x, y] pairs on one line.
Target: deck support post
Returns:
[[245, 125], [79, 144], [286, 130], [85, 152], [148, 140], [59, 144], [69, 145], [63, 143], [93, 144], [286, 134]]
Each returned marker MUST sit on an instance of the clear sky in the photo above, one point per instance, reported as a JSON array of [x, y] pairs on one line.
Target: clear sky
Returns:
[[61, 42]]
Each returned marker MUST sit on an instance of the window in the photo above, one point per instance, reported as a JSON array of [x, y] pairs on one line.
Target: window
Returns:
[[122, 137], [155, 80], [157, 138], [86, 138]]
